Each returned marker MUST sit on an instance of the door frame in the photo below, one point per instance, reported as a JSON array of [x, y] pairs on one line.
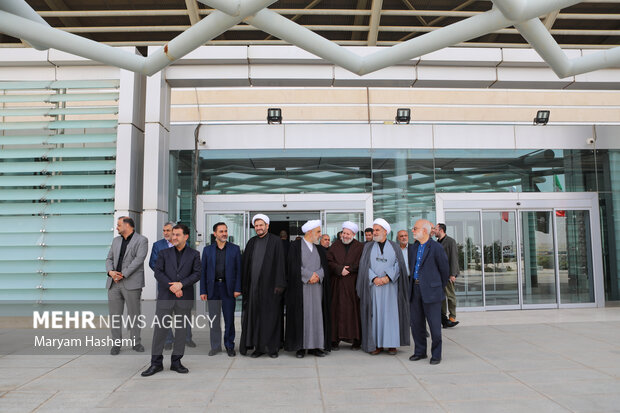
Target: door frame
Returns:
[[523, 201], [243, 203]]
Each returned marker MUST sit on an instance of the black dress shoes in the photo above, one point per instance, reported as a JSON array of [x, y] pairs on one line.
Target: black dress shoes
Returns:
[[256, 354], [152, 370], [115, 350], [274, 355], [190, 343], [435, 361], [451, 323], [417, 357], [335, 346], [231, 352], [139, 348], [444, 321], [318, 352], [179, 368], [300, 354]]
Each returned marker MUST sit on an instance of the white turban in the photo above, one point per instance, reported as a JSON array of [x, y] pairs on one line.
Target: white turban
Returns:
[[351, 226], [260, 216], [382, 222], [310, 225]]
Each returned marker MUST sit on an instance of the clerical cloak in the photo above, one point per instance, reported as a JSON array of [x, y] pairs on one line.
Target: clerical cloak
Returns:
[[294, 336], [263, 282], [364, 292], [345, 305]]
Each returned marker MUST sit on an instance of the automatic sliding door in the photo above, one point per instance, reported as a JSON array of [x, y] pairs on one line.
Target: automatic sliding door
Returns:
[[575, 256], [538, 258], [501, 279], [464, 227]]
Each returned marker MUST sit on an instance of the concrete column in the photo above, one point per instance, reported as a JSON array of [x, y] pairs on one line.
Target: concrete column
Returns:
[[156, 168], [129, 147]]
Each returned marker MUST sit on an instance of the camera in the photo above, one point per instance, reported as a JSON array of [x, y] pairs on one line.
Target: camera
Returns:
[[590, 141]]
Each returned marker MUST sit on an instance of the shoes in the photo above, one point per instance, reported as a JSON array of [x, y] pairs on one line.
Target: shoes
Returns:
[[256, 354], [179, 368], [214, 351], [168, 346], [392, 351], [231, 352], [317, 352], [435, 361], [115, 350], [300, 354], [274, 355], [451, 322], [356, 345], [417, 357], [444, 321], [335, 346], [377, 351], [152, 370], [139, 348], [190, 343]]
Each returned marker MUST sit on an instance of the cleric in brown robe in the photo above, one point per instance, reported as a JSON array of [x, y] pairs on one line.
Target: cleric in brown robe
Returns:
[[344, 257], [262, 285]]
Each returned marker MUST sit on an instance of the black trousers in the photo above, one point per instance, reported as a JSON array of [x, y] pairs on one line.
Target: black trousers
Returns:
[[180, 308], [421, 313]]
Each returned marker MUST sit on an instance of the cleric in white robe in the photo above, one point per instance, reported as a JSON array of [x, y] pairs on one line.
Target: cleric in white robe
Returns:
[[382, 285]]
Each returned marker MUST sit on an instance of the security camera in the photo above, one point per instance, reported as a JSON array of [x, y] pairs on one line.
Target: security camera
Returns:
[[203, 142], [590, 141]]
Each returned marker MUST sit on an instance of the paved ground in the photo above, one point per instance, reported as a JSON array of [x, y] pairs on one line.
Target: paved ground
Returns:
[[510, 361]]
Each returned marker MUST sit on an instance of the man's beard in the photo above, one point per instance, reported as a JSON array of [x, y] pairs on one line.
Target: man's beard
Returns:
[[377, 239], [345, 242]]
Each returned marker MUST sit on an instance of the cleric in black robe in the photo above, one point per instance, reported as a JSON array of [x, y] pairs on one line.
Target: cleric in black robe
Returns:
[[262, 284], [307, 301]]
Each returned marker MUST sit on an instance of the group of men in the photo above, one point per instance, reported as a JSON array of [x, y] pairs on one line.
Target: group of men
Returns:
[[305, 296]]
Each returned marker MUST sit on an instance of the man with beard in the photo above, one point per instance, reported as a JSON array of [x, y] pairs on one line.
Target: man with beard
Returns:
[[307, 295], [262, 284], [368, 234], [343, 258], [325, 241], [449, 246], [430, 270], [383, 288]]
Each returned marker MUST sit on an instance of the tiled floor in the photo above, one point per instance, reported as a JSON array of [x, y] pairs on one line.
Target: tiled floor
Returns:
[[511, 361]]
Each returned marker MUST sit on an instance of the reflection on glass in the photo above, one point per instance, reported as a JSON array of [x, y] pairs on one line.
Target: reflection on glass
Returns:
[[500, 258], [537, 258], [334, 222], [464, 227], [575, 257], [235, 228]]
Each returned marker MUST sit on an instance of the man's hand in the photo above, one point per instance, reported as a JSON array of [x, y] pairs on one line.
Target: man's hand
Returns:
[[314, 279], [179, 294], [345, 271], [386, 280], [452, 279], [116, 276], [236, 294], [175, 287], [377, 281], [203, 297]]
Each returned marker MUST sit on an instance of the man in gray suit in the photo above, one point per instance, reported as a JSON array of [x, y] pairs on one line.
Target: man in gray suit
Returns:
[[125, 267]]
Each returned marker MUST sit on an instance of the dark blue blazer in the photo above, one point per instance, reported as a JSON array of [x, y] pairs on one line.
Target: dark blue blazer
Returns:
[[162, 244], [433, 273], [166, 271], [233, 269]]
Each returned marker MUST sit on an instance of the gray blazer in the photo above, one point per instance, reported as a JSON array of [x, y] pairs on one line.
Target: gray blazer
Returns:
[[452, 251], [133, 263]]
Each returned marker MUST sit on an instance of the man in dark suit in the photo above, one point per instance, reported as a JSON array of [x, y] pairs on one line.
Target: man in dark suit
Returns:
[[125, 268], [220, 284], [176, 270], [158, 246], [429, 270]]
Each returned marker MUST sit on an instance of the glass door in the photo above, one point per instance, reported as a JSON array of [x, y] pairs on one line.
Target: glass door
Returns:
[[236, 222], [501, 272], [537, 257], [332, 223]]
